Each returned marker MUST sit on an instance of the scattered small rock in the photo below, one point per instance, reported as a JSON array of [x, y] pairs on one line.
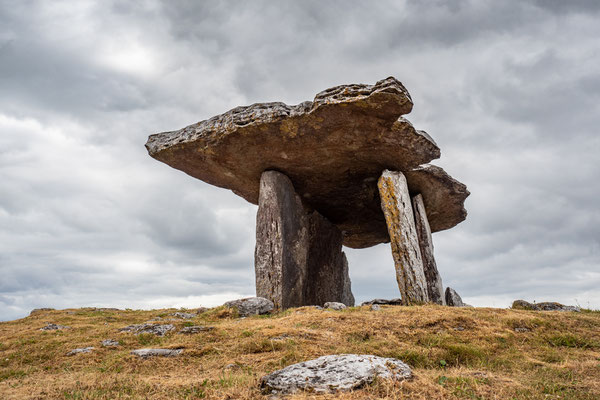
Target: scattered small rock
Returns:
[[37, 310], [110, 343], [189, 330], [392, 302], [82, 350], [545, 306], [53, 327], [522, 329], [232, 367], [334, 305], [283, 336], [251, 306], [375, 307], [333, 373], [459, 328], [201, 310], [155, 329], [183, 315], [144, 353]]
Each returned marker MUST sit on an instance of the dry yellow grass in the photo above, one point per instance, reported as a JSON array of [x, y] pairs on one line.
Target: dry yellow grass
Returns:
[[455, 353]]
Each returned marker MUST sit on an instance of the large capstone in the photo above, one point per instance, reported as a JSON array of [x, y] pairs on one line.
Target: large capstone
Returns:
[[333, 373], [333, 149], [298, 256]]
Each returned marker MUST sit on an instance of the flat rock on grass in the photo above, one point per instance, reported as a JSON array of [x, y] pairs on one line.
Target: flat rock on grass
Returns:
[[391, 302], [183, 315], [155, 329], [333, 373], [81, 350], [110, 343], [53, 327], [333, 305], [251, 306], [545, 306], [189, 330], [144, 353]]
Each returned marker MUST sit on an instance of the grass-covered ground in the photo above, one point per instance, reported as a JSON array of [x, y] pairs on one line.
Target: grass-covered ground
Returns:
[[455, 353]]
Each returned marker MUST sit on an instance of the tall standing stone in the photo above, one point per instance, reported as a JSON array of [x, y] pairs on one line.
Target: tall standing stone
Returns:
[[435, 289], [298, 258], [397, 208]]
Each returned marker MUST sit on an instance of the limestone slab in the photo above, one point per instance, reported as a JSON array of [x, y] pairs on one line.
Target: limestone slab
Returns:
[[397, 207], [435, 289], [333, 149]]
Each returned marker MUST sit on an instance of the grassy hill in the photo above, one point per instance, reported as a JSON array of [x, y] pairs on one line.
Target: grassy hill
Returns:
[[455, 353]]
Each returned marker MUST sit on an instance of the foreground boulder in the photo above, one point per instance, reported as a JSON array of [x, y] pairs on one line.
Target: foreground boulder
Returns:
[[333, 373], [251, 306], [545, 306], [145, 353], [334, 305]]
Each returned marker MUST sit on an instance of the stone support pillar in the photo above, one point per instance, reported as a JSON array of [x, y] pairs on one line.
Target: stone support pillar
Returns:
[[397, 208], [435, 289], [298, 258]]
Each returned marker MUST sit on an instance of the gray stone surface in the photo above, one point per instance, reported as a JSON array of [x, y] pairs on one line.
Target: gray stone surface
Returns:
[[155, 329], [298, 258], [443, 196], [544, 306], [183, 315], [433, 280], [110, 343], [53, 327], [145, 353], [333, 149], [334, 373], [390, 302], [375, 307], [453, 299], [81, 350], [397, 208], [334, 305], [251, 306], [190, 330]]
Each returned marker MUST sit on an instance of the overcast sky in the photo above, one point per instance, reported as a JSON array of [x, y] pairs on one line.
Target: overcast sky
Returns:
[[510, 91]]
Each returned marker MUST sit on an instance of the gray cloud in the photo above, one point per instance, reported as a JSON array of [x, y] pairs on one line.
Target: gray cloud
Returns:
[[509, 92]]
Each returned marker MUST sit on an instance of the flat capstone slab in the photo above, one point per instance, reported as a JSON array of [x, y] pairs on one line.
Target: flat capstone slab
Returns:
[[334, 373], [333, 149]]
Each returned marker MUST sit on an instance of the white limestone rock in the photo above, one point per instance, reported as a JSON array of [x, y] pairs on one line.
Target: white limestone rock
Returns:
[[334, 373]]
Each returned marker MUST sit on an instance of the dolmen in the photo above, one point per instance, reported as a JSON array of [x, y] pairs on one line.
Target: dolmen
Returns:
[[346, 169]]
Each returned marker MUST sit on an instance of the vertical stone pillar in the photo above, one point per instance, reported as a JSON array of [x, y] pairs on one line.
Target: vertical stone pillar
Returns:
[[435, 289], [397, 208], [298, 259]]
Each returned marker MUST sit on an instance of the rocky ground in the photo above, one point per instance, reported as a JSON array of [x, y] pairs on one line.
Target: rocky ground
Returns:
[[454, 353]]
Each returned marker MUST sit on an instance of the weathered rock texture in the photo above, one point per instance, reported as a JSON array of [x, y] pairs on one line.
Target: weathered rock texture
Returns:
[[145, 353], [298, 257], [334, 373], [334, 305], [251, 306], [53, 327], [544, 306], [190, 330], [81, 350], [435, 290], [333, 149], [155, 329], [396, 205], [390, 302], [453, 299]]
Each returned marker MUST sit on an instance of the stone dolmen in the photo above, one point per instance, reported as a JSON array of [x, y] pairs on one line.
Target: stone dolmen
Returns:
[[344, 169]]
